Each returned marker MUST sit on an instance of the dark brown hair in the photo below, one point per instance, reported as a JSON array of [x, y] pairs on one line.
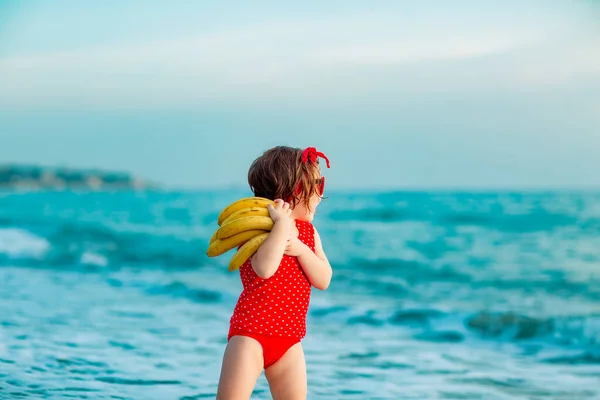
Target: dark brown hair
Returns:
[[278, 172]]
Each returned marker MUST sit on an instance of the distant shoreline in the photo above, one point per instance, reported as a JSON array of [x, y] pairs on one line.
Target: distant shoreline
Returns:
[[37, 177]]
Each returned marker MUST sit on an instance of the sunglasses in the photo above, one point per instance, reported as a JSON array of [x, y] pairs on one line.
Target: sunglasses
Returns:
[[320, 186]]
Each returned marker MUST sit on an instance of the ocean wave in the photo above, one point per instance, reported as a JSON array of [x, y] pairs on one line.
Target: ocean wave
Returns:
[[510, 325], [180, 289], [413, 317], [431, 324], [91, 245], [410, 271], [371, 215], [567, 331], [18, 243], [583, 358], [563, 287], [532, 221], [400, 277]]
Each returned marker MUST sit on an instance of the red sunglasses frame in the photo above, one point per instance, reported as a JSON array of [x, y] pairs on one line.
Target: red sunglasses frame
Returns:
[[320, 188]]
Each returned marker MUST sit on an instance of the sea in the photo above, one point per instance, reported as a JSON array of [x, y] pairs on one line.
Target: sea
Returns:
[[434, 295]]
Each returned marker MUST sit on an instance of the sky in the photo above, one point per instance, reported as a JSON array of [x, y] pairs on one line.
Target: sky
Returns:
[[428, 94]]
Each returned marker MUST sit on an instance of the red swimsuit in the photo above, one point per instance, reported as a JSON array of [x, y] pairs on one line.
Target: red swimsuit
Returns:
[[273, 311]]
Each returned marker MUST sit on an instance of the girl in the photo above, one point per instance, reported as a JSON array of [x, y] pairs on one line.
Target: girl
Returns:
[[269, 319]]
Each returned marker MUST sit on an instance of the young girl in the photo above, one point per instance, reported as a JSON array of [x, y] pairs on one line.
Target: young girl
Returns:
[[269, 319]]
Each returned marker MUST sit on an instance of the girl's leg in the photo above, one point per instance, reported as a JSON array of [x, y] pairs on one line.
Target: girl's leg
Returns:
[[287, 377], [242, 365]]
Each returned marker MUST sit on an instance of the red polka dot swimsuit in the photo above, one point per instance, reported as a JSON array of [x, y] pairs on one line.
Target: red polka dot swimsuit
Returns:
[[273, 311]]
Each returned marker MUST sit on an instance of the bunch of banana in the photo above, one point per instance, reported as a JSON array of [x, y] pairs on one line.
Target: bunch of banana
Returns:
[[244, 222]]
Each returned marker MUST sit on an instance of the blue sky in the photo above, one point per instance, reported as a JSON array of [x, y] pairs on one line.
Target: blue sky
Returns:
[[428, 94]]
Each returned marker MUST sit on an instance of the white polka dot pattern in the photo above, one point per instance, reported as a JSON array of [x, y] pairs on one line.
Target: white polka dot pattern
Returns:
[[276, 306]]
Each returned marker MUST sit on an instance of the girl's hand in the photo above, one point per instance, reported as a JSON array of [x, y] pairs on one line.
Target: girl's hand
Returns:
[[281, 211], [295, 247]]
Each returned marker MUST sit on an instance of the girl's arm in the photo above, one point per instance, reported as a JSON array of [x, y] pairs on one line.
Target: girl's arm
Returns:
[[267, 258], [315, 265]]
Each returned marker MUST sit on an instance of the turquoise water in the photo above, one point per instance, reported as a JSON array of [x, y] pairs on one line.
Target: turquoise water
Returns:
[[434, 296]]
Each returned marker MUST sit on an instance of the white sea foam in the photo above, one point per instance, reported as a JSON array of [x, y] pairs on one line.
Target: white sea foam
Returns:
[[19, 243]]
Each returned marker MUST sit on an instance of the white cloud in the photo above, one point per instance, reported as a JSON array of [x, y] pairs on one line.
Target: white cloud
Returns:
[[271, 61]]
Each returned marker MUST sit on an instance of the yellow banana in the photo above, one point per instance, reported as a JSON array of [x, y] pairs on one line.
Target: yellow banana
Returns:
[[214, 237], [241, 204], [247, 251], [219, 246], [244, 224], [247, 212]]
